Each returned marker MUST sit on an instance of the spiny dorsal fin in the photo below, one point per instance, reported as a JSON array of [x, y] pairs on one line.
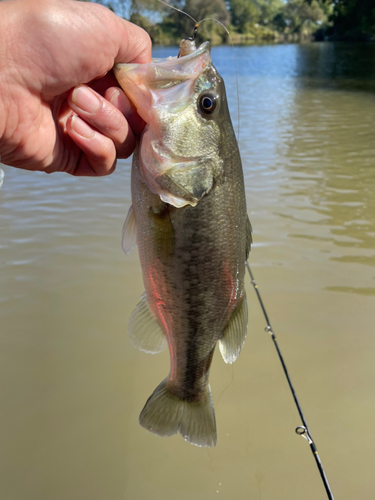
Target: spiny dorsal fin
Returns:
[[249, 237], [235, 332], [129, 232], [143, 329]]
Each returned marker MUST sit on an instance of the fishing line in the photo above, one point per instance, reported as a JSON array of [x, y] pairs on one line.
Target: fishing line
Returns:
[[178, 10], [235, 69], [301, 430], [226, 387]]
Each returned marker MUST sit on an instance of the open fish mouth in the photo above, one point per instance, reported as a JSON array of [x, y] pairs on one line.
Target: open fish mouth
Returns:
[[150, 85], [166, 72]]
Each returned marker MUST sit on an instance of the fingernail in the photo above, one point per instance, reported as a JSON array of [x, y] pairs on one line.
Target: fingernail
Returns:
[[84, 98], [115, 98], [122, 103], [81, 128]]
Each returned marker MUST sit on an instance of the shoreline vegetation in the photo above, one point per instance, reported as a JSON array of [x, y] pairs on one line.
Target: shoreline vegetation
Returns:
[[252, 21]]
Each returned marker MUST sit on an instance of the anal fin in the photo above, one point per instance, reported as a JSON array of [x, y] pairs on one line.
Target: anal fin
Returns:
[[234, 335], [143, 329]]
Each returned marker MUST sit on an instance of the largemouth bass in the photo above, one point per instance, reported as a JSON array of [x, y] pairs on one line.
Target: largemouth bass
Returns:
[[190, 222]]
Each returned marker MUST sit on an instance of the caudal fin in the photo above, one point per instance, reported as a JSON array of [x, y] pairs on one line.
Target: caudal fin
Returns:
[[165, 414]]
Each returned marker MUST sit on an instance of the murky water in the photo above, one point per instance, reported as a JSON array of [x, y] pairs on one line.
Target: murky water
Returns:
[[71, 384]]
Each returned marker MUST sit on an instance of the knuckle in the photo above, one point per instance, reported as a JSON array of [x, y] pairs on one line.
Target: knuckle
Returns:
[[113, 120], [104, 152], [147, 43]]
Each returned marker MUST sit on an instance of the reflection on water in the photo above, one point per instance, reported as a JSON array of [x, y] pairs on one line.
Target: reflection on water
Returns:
[[71, 384]]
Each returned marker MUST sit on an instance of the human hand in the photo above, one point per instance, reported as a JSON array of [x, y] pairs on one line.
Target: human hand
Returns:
[[60, 106]]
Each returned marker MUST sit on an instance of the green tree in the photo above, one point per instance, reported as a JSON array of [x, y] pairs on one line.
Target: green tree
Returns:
[[243, 13], [247, 13], [354, 19], [269, 10], [299, 15]]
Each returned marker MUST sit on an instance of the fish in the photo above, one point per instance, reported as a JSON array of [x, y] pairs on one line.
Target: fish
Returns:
[[189, 220]]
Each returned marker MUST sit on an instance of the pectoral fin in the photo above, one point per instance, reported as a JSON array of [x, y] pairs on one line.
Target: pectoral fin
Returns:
[[143, 329], [129, 232], [235, 333]]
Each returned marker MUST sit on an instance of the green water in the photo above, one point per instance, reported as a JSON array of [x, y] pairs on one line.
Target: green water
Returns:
[[72, 386]]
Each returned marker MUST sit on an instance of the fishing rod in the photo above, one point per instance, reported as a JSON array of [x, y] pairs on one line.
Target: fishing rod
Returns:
[[301, 430]]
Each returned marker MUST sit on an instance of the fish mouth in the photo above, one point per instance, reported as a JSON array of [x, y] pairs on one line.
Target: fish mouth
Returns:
[[203, 47], [166, 72], [141, 82]]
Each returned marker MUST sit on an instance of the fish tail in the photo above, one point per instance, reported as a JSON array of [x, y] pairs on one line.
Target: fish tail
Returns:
[[166, 414]]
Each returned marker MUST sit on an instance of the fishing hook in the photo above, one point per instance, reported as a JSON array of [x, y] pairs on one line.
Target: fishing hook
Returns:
[[194, 33]]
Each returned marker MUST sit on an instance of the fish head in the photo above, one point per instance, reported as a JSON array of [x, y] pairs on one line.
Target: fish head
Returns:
[[183, 102]]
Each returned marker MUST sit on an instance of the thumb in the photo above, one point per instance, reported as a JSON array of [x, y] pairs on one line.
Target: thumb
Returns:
[[134, 43]]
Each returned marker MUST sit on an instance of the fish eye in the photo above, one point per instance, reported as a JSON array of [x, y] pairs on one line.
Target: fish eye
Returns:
[[207, 103]]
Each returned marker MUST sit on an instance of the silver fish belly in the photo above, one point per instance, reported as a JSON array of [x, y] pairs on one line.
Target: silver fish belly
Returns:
[[190, 222]]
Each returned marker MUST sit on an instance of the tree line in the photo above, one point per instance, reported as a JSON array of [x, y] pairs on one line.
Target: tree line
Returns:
[[252, 20]]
